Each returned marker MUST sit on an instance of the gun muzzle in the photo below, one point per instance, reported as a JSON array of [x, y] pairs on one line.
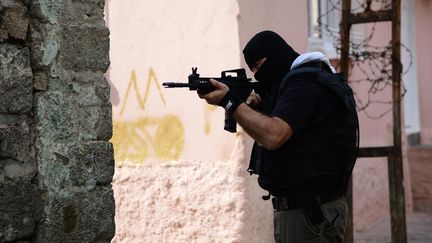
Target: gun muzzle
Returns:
[[175, 85]]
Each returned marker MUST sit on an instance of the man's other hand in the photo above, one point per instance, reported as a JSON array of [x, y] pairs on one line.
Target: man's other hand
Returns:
[[253, 99]]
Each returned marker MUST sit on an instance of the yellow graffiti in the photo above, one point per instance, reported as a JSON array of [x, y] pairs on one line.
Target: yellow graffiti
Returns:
[[141, 101], [159, 137], [133, 141]]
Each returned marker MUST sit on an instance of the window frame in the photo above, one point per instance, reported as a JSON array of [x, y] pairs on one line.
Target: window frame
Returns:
[[321, 38]]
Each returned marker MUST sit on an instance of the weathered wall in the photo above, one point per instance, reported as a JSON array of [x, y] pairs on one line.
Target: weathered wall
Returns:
[[176, 180], [18, 193], [421, 177], [420, 155], [196, 188], [56, 165], [191, 201], [155, 42], [370, 183], [423, 11], [183, 200]]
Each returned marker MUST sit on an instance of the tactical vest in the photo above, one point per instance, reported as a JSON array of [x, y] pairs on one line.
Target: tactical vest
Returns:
[[316, 160]]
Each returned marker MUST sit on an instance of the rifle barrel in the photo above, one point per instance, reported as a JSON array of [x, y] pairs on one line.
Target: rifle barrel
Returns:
[[175, 85]]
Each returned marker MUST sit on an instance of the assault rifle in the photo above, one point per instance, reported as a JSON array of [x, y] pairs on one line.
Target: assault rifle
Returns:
[[239, 84]]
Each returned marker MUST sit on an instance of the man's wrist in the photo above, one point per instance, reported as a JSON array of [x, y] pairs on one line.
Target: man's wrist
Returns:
[[230, 103]]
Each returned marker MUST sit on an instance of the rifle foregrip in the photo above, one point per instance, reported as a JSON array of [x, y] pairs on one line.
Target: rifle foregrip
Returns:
[[230, 123]]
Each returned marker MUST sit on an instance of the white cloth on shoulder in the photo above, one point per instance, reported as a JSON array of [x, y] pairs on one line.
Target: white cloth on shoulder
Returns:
[[312, 56]]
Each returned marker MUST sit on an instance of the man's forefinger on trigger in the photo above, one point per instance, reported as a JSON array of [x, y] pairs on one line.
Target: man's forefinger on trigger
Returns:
[[217, 84]]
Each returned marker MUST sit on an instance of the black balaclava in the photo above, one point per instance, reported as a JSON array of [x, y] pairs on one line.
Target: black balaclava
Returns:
[[280, 57]]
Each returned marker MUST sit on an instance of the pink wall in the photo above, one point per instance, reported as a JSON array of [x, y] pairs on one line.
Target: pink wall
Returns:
[[288, 19], [370, 177], [206, 187], [423, 10], [154, 42]]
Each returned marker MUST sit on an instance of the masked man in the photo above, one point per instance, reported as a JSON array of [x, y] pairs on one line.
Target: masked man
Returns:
[[303, 119]]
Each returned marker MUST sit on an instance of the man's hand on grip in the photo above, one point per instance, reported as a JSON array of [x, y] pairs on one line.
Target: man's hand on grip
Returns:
[[214, 97]]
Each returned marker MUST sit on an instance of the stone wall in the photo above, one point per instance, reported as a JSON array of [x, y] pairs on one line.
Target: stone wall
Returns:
[[56, 164]]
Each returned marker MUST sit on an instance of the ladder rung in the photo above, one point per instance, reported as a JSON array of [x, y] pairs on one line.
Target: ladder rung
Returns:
[[376, 151], [371, 16]]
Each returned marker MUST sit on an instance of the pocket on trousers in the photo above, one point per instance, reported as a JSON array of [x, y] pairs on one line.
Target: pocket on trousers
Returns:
[[336, 216], [314, 229]]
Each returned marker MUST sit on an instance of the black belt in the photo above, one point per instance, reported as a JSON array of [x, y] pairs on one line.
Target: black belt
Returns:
[[296, 202]]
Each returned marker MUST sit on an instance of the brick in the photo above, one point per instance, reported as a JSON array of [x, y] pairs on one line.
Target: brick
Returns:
[[15, 142], [78, 217], [92, 94], [56, 117], [8, 119], [16, 88], [84, 48], [64, 12], [104, 125], [91, 161], [16, 170], [14, 21], [95, 123], [17, 203], [104, 213], [47, 11], [84, 11], [44, 48], [103, 90], [52, 165], [40, 81]]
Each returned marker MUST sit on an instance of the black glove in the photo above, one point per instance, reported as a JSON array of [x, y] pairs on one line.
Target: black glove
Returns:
[[230, 102]]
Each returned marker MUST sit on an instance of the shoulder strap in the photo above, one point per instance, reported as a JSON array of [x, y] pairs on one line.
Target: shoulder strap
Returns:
[[340, 88], [302, 70], [337, 84], [291, 73]]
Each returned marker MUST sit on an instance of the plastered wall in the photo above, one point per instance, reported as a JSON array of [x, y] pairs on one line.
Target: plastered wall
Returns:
[[423, 35], [156, 42], [180, 177]]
